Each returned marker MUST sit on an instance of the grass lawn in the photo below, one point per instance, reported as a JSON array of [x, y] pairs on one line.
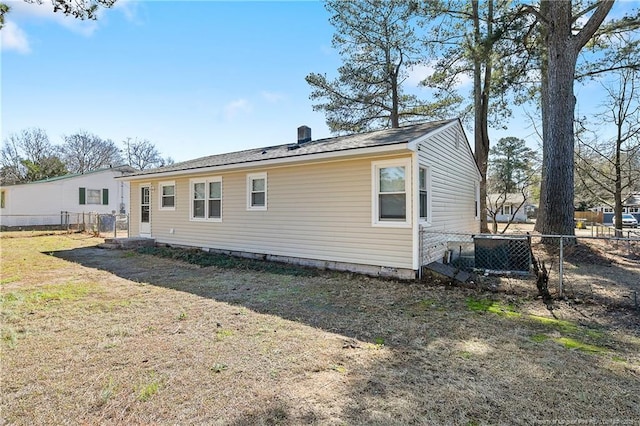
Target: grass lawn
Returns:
[[92, 336]]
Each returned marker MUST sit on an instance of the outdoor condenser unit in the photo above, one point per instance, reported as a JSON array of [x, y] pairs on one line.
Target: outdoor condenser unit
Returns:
[[502, 253]]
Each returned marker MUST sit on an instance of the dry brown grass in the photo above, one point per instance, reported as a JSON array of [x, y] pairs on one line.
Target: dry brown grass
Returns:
[[93, 336]]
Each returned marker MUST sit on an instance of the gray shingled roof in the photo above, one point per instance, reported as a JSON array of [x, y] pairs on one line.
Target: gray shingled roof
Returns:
[[123, 169], [339, 143], [632, 200]]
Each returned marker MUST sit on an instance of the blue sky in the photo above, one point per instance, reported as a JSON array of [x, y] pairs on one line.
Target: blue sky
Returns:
[[195, 78]]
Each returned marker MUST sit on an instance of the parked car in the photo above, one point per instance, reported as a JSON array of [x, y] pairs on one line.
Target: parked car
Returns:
[[627, 220]]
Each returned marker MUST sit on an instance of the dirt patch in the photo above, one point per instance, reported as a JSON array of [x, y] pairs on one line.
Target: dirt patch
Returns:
[[92, 336]]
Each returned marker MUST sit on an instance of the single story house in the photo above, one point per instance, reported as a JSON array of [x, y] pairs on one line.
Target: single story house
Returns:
[[58, 200], [506, 206], [360, 202], [630, 204]]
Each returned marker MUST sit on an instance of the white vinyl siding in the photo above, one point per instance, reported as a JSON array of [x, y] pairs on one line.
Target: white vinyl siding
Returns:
[[319, 211], [40, 203], [454, 187]]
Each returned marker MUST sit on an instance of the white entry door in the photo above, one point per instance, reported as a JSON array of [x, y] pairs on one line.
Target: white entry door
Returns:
[[145, 211]]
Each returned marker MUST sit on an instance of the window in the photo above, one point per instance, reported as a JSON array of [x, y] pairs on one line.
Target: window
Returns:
[[506, 209], [94, 196], [424, 184], [215, 200], [477, 200], [206, 199], [391, 199], [167, 196], [2, 199], [145, 208], [257, 191]]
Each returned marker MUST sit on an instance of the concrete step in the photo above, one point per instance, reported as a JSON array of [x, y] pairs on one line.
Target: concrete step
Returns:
[[109, 246], [127, 243]]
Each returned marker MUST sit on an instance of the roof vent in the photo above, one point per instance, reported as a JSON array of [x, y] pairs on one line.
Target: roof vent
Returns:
[[304, 134]]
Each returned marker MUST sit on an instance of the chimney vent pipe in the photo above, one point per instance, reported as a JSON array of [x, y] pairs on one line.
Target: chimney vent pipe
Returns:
[[304, 134]]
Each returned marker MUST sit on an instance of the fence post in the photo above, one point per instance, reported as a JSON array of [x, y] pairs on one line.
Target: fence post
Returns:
[[561, 267], [115, 226]]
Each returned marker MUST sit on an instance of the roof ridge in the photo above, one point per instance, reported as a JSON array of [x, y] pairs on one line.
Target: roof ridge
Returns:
[[382, 137]]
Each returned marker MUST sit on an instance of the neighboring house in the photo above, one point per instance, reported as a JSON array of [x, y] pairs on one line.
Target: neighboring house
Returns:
[[354, 202], [46, 202], [504, 208], [631, 204]]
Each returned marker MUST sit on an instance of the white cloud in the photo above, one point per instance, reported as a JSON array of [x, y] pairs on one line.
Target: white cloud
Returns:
[[272, 97], [44, 12], [418, 73], [13, 38], [130, 9], [464, 80], [236, 107]]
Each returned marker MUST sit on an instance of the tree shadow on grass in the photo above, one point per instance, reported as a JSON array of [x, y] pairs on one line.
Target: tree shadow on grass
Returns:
[[438, 361]]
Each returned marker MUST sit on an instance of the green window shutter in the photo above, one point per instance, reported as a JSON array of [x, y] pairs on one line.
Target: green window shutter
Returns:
[[83, 195], [105, 196]]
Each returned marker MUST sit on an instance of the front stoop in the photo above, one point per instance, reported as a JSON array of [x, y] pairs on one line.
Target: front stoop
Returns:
[[127, 243]]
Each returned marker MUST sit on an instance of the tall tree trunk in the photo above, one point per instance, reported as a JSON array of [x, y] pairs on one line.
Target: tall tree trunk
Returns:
[[558, 133], [617, 196], [558, 106], [481, 88], [544, 96]]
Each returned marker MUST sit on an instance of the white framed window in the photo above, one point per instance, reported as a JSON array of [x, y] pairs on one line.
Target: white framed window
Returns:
[[391, 192], [206, 199], [94, 196], [608, 210], [476, 204], [214, 199], [3, 199], [167, 195], [424, 197], [257, 191], [506, 209]]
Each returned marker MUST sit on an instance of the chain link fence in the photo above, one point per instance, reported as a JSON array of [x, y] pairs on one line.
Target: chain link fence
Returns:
[[596, 264], [99, 224]]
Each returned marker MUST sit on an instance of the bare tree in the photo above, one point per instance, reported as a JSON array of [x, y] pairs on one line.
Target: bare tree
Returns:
[[608, 168], [511, 174], [142, 154], [29, 156], [478, 40], [83, 152]]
